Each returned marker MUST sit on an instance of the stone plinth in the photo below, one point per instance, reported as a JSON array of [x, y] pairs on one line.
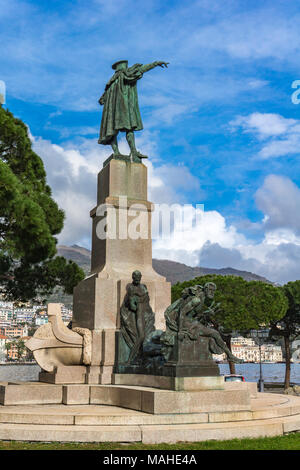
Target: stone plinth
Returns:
[[170, 383], [122, 206], [63, 375], [188, 359], [29, 393], [156, 401], [191, 359]]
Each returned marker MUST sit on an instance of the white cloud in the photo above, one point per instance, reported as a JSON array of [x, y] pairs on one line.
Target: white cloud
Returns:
[[279, 200], [264, 125], [218, 244], [259, 33], [67, 60], [255, 83], [72, 173], [185, 245], [280, 136]]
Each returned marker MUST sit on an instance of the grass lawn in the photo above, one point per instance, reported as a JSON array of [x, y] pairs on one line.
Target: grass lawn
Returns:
[[288, 442]]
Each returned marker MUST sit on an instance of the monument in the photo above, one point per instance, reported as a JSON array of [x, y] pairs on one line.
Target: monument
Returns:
[[148, 362], [122, 192], [122, 328]]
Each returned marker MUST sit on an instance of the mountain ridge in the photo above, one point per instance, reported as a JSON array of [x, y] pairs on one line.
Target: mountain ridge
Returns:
[[173, 271]]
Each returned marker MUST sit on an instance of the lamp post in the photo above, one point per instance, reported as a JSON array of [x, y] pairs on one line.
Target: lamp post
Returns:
[[259, 337]]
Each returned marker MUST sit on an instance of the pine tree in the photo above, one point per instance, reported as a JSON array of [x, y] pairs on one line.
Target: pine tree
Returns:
[[288, 327], [29, 221]]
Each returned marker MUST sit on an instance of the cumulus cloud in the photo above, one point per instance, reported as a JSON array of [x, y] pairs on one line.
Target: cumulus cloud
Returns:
[[280, 136], [215, 243], [274, 258], [72, 174], [66, 61], [264, 125], [276, 262], [249, 34], [212, 242], [279, 200]]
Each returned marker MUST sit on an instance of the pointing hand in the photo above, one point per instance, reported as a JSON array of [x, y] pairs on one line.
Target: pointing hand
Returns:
[[163, 64]]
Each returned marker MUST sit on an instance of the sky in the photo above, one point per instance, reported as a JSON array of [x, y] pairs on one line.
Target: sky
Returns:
[[221, 123]]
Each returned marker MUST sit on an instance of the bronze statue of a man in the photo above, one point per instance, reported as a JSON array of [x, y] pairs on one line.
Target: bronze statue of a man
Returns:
[[121, 109], [187, 317], [137, 317]]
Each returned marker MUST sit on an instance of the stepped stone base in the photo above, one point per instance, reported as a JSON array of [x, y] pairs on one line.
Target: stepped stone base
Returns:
[[269, 415], [155, 401], [146, 399]]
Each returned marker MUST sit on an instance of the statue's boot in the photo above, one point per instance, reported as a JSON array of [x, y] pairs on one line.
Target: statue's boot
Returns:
[[137, 157], [115, 147]]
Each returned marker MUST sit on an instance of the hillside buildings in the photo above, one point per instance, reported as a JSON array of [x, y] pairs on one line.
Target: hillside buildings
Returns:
[[246, 349], [17, 324]]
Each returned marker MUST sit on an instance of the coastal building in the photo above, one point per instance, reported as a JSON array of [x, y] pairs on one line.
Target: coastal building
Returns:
[[248, 351], [66, 313], [16, 349], [24, 315], [14, 331], [6, 313], [240, 340], [41, 320], [269, 353]]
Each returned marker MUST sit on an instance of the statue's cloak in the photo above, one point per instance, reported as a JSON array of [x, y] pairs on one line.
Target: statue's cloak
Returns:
[[139, 296], [121, 109]]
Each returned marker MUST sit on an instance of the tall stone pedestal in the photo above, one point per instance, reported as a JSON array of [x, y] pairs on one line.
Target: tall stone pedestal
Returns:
[[123, 208]]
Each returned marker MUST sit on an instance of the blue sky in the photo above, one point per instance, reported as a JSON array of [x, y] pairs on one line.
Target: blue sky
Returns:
[[220, 127]]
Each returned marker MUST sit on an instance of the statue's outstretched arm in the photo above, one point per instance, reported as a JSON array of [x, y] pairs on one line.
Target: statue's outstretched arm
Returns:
[[147, 67]]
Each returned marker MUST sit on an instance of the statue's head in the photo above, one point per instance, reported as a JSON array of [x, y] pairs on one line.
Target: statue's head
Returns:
[[192, 290], [209, 290], [136, 277], [120, 65]]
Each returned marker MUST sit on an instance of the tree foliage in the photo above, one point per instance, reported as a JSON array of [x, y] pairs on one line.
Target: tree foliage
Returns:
[[29, 220], [288, 327], [245, 305]]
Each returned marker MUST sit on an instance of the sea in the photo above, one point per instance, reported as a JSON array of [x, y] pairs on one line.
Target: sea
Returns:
[[272, 372]]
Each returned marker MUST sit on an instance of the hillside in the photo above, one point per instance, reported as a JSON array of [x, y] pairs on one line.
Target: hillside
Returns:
[[78, 254], [178, 272], [173, 271]]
